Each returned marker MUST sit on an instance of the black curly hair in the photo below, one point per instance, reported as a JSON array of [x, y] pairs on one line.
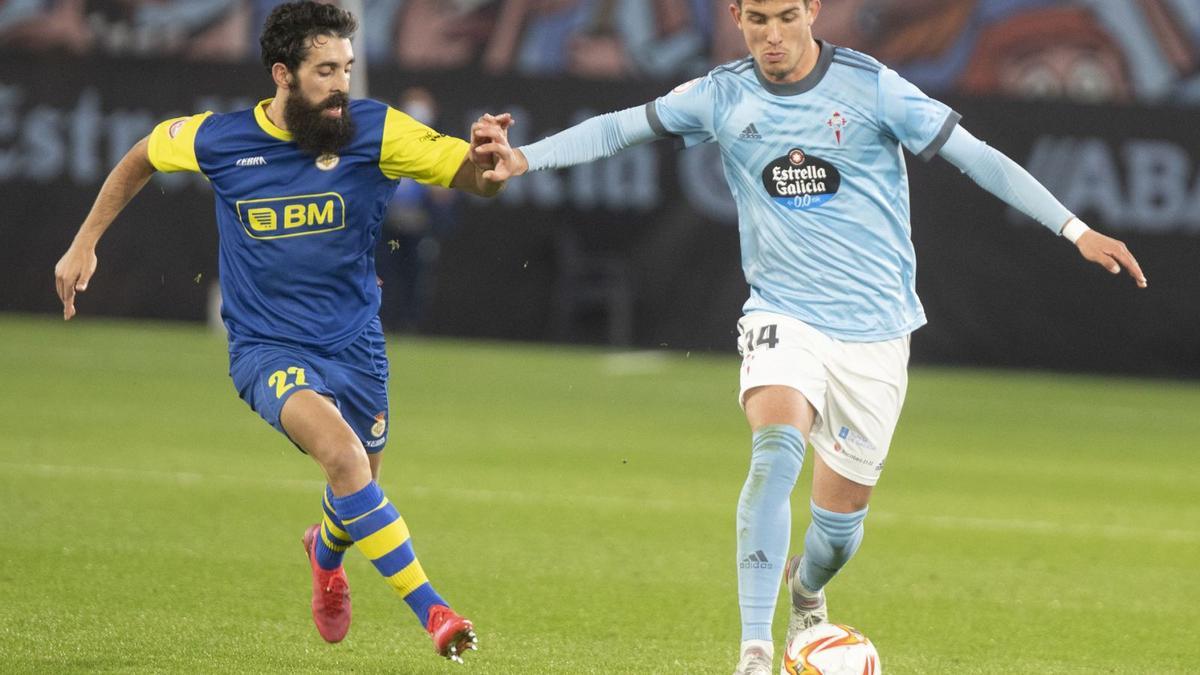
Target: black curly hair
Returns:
[[290, 28]]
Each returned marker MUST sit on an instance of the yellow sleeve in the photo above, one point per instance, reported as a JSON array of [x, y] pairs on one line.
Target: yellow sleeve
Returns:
[[173, 144], [412, 150]]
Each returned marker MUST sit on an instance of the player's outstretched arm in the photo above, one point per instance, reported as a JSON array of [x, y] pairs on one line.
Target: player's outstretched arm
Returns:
[[594, 138], [77, 265], [1006, 179]]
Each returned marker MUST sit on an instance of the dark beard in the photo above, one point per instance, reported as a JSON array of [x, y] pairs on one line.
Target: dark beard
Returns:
[[313, 132]]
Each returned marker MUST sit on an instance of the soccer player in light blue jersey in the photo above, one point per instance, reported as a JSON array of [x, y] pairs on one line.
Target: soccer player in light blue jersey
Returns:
[[302, 182], [812, 138]]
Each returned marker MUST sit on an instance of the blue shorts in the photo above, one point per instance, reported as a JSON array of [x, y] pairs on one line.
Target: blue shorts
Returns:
[[266, 376]]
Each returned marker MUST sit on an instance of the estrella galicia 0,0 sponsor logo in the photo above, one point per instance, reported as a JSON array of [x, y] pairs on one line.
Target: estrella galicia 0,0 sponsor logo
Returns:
[[800, 181]]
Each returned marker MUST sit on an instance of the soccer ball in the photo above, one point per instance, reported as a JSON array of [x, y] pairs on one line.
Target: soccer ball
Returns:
[[830, 649]]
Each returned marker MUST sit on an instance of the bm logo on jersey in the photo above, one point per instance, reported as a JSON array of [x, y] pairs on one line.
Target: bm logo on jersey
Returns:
[[277, 217], [799, 181]]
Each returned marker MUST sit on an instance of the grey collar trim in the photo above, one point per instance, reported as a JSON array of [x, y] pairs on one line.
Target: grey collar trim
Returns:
[[824, 59]]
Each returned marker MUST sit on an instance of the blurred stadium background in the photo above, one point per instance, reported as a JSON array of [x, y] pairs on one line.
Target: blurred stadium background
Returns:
[[1098, 98]]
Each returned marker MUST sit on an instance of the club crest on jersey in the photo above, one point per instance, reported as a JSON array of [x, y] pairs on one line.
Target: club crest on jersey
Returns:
[[837, 122], [327, 161], [800, 181]]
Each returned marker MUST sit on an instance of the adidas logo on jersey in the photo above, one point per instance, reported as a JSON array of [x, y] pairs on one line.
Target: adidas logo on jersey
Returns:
[[750, 133], [251, 161]]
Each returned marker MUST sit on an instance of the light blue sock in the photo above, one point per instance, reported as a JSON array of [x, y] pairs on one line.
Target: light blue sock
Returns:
[[830, 542], [764, 524]]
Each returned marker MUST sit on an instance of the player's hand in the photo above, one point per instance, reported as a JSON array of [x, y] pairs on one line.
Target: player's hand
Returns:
[[1110, 254], [489, 129], [509, 162], [72, 274]]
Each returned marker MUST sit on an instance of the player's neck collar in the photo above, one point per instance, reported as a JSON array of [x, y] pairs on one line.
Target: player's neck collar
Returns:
[[824, 58], [265, 123]]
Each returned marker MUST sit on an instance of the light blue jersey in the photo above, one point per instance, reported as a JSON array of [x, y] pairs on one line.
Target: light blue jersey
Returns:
[[818, 175]]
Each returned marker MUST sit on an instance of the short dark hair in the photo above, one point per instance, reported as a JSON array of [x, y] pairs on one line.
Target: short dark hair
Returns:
[[807, 3], [289, 30]]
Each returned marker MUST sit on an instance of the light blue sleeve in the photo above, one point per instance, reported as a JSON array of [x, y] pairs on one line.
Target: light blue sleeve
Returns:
[[594, 138], [1001, 176], [920, 123], [686, 111]]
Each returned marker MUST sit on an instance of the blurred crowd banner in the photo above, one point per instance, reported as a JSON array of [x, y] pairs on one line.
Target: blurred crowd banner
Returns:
[[1082, 50], [640, 249]]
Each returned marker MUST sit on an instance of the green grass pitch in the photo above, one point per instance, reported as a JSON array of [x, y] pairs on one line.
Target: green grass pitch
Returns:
[[578, 505]]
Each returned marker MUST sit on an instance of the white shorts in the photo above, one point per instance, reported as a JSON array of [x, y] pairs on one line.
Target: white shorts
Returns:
[[857, 388]]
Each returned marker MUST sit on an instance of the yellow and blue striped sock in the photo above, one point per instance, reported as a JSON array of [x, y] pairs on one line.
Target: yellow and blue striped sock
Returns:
[[380, 533], [333, 540]]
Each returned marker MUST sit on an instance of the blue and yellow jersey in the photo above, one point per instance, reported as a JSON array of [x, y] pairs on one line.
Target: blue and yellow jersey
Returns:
[[298, 233]]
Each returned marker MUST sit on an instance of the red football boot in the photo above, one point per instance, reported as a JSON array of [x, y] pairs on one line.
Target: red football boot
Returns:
[[330, 593], [452, 634]]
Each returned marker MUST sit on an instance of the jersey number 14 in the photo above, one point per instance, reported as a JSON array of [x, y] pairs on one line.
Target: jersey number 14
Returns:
[[767, 336]]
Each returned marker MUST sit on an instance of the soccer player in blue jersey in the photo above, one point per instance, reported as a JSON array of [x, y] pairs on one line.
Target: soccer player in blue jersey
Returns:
[[811, 139], [302, 181]]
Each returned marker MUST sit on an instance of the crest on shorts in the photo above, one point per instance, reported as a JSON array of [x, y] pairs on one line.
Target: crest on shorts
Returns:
[[380, 425], [327, 161]]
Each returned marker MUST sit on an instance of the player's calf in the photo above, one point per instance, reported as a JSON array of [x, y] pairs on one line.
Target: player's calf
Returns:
[[764, 523], [381, 534], [831, 540]]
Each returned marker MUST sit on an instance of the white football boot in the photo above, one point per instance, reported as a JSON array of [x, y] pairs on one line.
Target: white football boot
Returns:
[[808, 609], [756, 659]]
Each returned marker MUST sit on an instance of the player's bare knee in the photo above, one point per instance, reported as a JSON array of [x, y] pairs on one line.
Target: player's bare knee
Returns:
[[769, 405], [345, 462], [843, 503], [835, 492]]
